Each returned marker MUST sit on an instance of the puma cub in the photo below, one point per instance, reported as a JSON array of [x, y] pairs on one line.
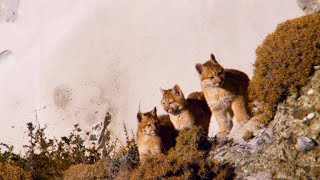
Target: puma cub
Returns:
[[186, 113], [156, 135], [226, 93]]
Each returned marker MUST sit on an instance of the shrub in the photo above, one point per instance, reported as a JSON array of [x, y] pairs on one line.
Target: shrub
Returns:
[[87, 171], [48, 158], [187, 160], [45, 158], [68, 157], [284, 62], [116, 162], [120, 162], [12, 166]]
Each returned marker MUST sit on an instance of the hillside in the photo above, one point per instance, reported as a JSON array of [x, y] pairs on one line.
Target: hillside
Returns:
[[286, 148]]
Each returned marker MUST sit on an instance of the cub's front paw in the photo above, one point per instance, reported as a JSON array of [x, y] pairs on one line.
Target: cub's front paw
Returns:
[[221, 135]]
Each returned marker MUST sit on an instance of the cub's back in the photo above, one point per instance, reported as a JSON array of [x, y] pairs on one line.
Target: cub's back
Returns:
[[197, 96], [201, 111], [167, 132], [236, 81]]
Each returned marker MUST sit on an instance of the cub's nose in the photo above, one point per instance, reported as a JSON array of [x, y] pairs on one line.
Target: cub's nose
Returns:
[[217, 84], [218, 80]]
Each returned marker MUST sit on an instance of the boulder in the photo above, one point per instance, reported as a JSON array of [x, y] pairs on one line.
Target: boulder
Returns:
[[309, 6]]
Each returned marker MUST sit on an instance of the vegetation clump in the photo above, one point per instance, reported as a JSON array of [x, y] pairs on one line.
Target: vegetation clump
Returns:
[[87, 171], [45, 158], [68, 157], [187, 160], [284, 63], [12, 165]]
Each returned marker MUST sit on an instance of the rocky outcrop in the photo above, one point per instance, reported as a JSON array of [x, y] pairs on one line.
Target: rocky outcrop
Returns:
[[288, 147], [309, 6], [98, 135]]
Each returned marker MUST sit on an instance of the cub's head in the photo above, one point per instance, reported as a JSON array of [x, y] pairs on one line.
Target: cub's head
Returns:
[[173, 100], [211, 73], [148, 123]]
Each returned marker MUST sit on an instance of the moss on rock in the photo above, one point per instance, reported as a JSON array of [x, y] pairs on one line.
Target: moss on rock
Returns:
[[284, 63]]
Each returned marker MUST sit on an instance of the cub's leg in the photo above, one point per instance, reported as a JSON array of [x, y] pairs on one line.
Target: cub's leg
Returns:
[[230, 114], [239, 108], [224, 123]]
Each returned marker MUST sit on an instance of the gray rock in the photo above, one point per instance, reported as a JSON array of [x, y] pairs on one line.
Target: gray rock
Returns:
[[282, 155], [311, 116], [311, 91], [309, 6], [305, 144], [93, 137], [239, 133], [286, 134], [260, 142], [316, 67], [260, 175]]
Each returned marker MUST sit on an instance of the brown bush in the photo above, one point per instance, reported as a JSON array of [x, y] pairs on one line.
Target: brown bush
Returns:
[[51, 158], [45, 158], [285, 61], [87, 171]]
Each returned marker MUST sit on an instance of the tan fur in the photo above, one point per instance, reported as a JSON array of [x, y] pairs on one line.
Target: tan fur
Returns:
[[186, 113], [155, 134], [197, 96], [225, 91]]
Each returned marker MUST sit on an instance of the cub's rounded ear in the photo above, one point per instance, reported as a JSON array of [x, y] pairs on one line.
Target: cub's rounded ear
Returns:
[[213, 58], [154, 111], [199, 68], [177, 90], [162, 90], [139, 117]]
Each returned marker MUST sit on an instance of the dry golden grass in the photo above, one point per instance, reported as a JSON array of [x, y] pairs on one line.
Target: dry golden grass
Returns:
[[13, 172], [87, 171]]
